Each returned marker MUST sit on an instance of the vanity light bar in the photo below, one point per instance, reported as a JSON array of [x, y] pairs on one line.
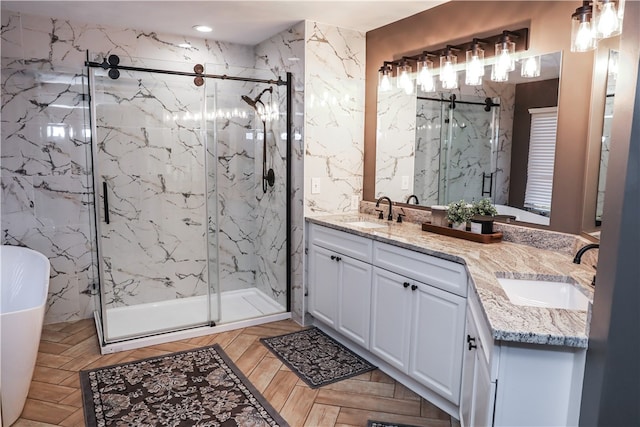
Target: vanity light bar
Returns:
[[595, 20], [508, 42]]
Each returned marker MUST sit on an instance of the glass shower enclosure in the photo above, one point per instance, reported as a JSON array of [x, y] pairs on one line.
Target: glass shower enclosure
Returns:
[[187, 235]]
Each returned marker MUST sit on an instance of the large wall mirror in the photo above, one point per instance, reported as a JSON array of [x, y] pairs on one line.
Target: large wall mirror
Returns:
[[496, 141]]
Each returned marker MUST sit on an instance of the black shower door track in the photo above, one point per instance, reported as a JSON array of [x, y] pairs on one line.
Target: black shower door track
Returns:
[[289, 120], [443, 100], [93, 64]]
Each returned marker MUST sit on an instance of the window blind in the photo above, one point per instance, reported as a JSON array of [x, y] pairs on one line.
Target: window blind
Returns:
[[542, 149]]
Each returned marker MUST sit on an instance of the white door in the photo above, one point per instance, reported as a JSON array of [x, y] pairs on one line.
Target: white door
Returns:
[[323, 285], [391, 318], [354, 300], [437, 340]]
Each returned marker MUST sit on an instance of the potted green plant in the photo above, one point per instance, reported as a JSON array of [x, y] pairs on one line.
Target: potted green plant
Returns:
[[459, 213], [483, 212]]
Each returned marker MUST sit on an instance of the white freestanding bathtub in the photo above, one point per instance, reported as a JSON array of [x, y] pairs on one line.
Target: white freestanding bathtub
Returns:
[[24, 283]]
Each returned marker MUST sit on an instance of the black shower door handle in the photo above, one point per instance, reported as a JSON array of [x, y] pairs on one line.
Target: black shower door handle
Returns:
[[484, 180], [105, 198]]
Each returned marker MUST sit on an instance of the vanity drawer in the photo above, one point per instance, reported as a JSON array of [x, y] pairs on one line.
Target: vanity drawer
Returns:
[[446, 275], [344, 243]]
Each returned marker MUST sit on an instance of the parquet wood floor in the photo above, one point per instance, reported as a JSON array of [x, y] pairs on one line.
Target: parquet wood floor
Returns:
[[65, 348]]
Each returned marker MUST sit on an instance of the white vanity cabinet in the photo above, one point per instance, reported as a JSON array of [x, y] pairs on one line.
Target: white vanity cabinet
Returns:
[[340, 282], [406, 307], [416, 327], [509, 384], [390, 318]]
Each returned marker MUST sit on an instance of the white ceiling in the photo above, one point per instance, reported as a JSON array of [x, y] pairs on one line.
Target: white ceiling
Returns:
[[244, 22]]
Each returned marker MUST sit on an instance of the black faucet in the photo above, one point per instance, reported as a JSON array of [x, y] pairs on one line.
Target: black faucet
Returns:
[[413, 196], [582, 250], [390, 216]]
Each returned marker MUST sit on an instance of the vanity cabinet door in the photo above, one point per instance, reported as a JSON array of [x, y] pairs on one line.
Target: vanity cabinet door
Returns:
[[323, 285], [354, 299], [391, 318], [437, 339], [468, 371], [484, 392], [478, 391]]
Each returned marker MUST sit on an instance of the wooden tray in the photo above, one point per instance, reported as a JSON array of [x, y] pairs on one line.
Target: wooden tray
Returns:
[[466, 235]]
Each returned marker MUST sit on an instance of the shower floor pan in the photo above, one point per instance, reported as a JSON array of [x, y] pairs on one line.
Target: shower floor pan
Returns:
[[241, 308]]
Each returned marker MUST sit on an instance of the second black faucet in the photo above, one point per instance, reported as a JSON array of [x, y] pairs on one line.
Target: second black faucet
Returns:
[[390, 216]]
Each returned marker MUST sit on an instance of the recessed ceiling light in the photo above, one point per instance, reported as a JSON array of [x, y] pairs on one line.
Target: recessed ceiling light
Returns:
[[184, 45], [203, 28], [293, 58]]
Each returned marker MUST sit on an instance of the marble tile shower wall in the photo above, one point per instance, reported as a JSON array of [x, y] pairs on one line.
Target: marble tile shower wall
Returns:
[[334, 117], [282, 53], [45, 185], [46, 189]]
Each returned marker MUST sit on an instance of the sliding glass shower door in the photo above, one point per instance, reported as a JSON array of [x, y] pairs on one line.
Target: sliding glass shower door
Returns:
[[150, 183], [246, 122]]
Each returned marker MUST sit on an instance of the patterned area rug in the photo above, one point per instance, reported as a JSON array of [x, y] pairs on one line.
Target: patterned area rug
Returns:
[[191, 388], [316, 358], [384, 424]]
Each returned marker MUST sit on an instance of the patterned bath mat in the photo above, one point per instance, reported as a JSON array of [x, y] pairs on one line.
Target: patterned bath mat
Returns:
[[316, 358], [199, 387]]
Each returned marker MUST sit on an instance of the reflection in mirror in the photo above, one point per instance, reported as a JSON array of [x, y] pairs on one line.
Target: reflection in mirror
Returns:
[[612, 74], [455, 138], [471, 143]]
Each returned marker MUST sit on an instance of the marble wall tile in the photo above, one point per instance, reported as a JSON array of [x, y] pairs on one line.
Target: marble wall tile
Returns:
[[50, 42], [334, 116], [46, 190], [18, 195], [11, 36]]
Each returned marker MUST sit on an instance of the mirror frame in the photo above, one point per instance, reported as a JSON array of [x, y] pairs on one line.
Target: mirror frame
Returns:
[[596, 124]]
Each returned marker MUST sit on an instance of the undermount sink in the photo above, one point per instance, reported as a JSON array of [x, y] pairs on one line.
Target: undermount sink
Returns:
[[543, 293], [366, 224]]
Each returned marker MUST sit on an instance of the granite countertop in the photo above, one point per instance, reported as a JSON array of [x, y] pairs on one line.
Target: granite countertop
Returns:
[[508, 322]]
